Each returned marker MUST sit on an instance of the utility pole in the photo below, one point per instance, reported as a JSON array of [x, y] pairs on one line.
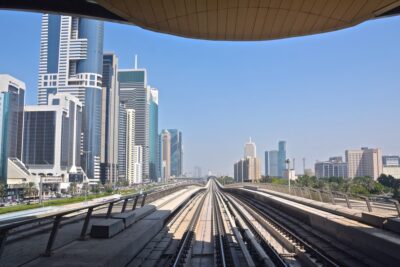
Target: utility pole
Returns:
[[288, 172]]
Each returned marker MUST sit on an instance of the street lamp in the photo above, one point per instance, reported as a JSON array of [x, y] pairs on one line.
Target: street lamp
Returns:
[[288, 170], [86, 163]]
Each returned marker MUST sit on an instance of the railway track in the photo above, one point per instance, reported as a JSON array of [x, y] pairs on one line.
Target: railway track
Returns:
[[217, 228]]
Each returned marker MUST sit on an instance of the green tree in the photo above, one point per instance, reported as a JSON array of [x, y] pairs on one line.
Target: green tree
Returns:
[[3, 192]]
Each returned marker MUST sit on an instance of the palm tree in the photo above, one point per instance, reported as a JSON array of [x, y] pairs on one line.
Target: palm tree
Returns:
[[30, 190], [72, 188]]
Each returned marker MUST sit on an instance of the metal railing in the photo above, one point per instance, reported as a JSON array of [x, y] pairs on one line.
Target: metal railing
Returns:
[[56, 217], [329, 196]]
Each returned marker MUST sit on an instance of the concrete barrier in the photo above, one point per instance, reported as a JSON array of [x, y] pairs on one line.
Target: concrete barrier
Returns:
[[107, 228]]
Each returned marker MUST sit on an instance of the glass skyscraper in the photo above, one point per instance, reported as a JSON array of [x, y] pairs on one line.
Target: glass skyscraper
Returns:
[[154, 173], [12, 97], [71, 61], [281, 158], [176, 152], [109, 125], [135, 94]]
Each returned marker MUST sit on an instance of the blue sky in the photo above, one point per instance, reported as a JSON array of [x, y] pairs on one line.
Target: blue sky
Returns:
[[322, 94]]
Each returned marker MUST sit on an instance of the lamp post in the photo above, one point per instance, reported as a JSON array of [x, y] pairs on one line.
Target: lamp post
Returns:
[[288, 172], [86, 163]]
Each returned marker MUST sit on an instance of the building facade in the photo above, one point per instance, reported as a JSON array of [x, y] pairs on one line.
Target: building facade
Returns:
[[134, 153], [335, 167], [391, 161], [71, 55], [392, 170], [364, 162], [122, 143], [266, 163], [281, 158], [12, 100], [176, 152], [135, 94], [165, 138], [110, 120], [273, 157], [250, 149], [52, 138], [154, 167]]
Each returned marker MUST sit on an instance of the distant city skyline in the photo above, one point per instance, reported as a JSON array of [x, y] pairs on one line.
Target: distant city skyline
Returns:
[[322, 94]]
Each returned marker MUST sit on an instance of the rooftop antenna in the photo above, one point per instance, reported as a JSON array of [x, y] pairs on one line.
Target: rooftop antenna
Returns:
[[135, 62]]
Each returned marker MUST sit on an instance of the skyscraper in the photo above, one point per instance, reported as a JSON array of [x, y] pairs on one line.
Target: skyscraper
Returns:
[[273, 163], [281, 158], [12, 97], [364, 162], [135, 94], [133, 152], [110, 115], [176, 152], [52, 137], [153, 136], [266, 163], [250, 149], [122, 142], [165, 155], [71, 55]]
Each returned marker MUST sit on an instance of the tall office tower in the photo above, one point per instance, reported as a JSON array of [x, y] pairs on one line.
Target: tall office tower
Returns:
[[281, 158], [273, 163], [247, 169], [335, 167], [133, 152], [197, 172], [122, 143], [109, 118], [136, 95], [364, 162], [266, 163], [250, 149], [253, 169], [176, 152], [153, 136], [71, 61], [165, 155], [52, 137], [12, 97]]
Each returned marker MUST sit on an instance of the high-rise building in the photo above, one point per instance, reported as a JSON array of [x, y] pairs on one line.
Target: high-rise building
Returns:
[[335, 167], [176, 152], [391, 161], [135, 94], [165, 155], [153, 136], [266, 163], [134, 153], [109, 119], [281, 158], [273, 163], [122, 143], [12, 97], [71, 61], [52, 137], [197, 172], [247, 169], [250, 149], [364, 162]]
